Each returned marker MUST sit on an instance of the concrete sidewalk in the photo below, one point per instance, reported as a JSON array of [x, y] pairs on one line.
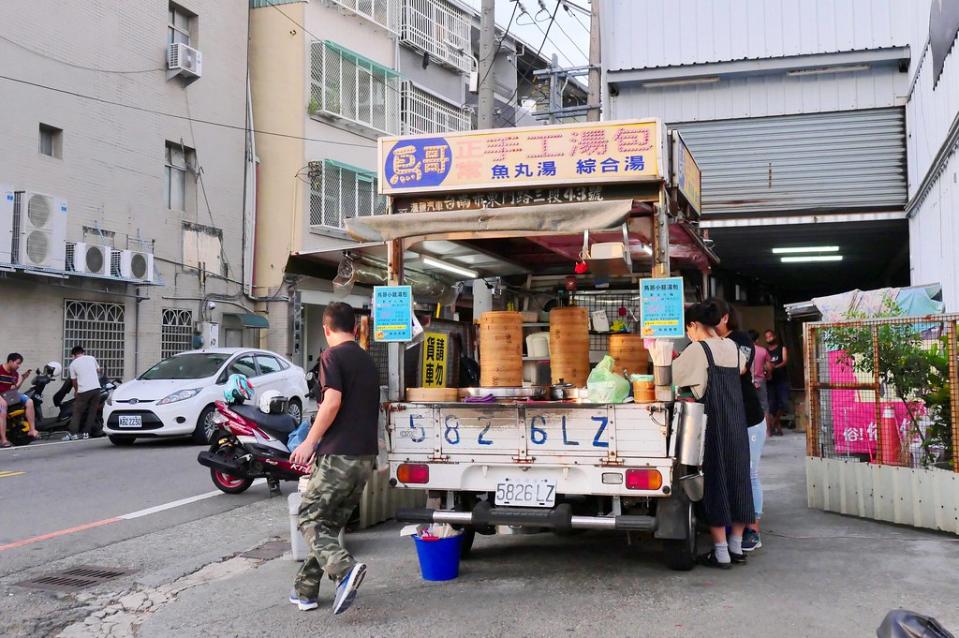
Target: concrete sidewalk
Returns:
[[818, 574]]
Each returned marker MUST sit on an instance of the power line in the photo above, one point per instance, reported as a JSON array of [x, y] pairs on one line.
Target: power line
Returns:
[[500, 44], [578, 48], [528, 74], [79, 66], [178, 117]]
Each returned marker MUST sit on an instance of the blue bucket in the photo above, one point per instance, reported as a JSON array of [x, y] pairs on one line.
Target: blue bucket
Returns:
[[439, 559]]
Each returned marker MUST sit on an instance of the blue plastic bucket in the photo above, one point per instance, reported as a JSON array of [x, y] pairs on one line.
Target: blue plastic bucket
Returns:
[[439, 559]]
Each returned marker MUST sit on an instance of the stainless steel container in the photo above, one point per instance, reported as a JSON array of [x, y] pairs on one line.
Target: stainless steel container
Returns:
[[690, 426], [663, 375]]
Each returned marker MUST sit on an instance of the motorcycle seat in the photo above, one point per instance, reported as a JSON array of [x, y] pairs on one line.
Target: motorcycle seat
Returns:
[[279, 425]]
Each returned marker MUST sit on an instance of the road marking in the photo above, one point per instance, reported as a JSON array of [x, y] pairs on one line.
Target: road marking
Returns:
[[9, 473], [35, 445], [117, 519]]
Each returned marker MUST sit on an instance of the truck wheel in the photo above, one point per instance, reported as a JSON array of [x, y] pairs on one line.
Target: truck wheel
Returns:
[[466, 545], [680, 555]]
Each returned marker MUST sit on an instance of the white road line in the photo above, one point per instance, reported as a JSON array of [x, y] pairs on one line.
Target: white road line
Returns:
[[177, 503], [34, 446]]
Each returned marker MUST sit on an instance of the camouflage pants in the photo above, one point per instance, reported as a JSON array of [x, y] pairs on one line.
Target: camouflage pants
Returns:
[[334, 491]]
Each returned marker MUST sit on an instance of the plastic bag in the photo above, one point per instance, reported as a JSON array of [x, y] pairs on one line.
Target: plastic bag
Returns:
[[298, 435], [604, 385]]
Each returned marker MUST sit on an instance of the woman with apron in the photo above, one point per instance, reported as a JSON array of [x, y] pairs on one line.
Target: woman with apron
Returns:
[[711, 367]]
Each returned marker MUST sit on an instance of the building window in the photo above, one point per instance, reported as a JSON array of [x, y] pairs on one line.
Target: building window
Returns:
[[178, 173], [176, 332], [382, 12], [440, 29], [179, 25], [100, 329], [51, 141], [339, 192], [423, 112], [347, 86]]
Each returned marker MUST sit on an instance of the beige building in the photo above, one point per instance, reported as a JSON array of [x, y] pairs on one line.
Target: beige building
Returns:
[[123, 176]]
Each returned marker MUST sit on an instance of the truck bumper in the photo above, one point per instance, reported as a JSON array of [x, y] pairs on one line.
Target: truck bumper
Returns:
[[560, 518]]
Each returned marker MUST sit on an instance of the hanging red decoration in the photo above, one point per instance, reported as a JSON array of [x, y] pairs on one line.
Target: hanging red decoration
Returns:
[[581, 268]]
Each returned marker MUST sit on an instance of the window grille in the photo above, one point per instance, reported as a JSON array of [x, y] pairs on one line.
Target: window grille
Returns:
[[423, 112], [339, 192], [98, 327], [345, 85], [176, 332], [382, 12], [440, 29], [381, 359]]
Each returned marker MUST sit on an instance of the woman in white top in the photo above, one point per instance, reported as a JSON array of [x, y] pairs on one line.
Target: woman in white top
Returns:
[[711, 367]]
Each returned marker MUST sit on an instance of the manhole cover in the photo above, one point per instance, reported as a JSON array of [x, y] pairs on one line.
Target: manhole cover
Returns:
[[268, 550], [74, 578]]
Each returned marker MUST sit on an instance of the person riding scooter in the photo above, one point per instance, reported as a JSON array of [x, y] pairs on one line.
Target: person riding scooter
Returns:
[[10, 381]]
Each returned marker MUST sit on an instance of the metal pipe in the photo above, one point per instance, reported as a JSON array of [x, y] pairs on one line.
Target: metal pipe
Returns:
[[593, 522], [453, 518]]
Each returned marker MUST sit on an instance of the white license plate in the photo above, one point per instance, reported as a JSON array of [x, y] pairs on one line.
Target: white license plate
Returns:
[[134, 421], [526, 493]]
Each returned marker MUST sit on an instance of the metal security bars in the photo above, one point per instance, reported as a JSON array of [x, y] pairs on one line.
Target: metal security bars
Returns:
[[100, 329], [440, 29], [382, 12], [339, 192], [176, 332], [423, 112], [350, 87]]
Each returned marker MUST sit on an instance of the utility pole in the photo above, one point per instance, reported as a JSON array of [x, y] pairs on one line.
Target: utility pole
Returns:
[[487, 59], [595, 60]]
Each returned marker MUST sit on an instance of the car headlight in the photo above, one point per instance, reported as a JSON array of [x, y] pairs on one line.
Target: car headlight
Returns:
[[181, 395]]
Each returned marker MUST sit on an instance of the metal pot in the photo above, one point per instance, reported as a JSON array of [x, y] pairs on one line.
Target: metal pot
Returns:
[[562, 391]]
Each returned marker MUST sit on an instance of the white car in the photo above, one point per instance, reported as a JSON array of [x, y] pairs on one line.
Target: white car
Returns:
[[176, 396]]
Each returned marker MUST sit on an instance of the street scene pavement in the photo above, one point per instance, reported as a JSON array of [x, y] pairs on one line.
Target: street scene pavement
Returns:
[[817, 573]]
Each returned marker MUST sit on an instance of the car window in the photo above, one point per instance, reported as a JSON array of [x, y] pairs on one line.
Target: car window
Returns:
[[244, 365], [268, 365], [186, 366]]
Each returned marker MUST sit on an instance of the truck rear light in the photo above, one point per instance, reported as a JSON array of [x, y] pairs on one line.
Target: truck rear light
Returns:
[[612, 478], [646, 479], [413, 473]]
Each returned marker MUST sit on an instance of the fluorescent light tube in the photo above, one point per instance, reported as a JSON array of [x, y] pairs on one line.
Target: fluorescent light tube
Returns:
[[787, 250], [810, 258], [663, 83], [456, 270], [849, 68]]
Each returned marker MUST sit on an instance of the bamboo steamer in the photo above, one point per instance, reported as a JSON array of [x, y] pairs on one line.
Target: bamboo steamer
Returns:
[[569, 345], [629, 353], [431, 395], [501, 349]]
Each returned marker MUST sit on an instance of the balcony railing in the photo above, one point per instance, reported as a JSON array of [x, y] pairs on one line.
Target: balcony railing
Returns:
[[440, 29], [423, 112], [339, 192], [382, 12]]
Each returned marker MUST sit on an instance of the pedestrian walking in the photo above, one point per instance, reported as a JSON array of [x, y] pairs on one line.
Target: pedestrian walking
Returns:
[[778, 382], [343, 444], [85, 374], [711, 368]]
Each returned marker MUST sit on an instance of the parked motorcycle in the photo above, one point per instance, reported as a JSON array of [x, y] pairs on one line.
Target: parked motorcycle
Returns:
[[250, 443], [48, 426]]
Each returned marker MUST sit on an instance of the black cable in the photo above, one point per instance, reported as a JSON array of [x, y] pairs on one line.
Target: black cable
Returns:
[[528, 74], [500, 44], [78, 66]]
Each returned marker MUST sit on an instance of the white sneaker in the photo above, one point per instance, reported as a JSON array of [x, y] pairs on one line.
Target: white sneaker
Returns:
[[347, 587]]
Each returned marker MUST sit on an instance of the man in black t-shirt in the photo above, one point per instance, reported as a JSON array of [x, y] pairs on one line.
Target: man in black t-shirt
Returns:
[[343, 443]]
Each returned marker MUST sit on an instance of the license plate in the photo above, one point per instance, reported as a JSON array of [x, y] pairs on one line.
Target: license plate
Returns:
[[134, 421], [526, 493]]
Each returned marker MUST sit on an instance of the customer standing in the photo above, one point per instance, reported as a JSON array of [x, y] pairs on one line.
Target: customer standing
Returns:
[[85, 373], [778, 382], [343, 443], [761, 372], [711, 368]]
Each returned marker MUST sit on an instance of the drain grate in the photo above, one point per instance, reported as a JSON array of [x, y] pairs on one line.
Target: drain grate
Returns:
[[74, 578], [268, 550]]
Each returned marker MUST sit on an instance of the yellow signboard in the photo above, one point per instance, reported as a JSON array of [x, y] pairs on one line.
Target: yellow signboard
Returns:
[[531, 157], [435, 353], [686, 174]]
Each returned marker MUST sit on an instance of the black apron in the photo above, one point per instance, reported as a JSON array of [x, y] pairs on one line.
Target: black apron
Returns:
[[728, 495]]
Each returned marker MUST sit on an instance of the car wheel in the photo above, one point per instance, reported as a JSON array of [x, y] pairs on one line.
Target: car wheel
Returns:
[[122, 441], [295, 410], [205, 427], [680, 555]]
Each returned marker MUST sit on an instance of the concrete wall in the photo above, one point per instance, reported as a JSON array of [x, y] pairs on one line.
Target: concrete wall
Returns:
[[112, 166]]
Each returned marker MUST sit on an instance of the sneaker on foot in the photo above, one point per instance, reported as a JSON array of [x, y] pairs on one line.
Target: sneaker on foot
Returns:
[[86, 435], [305, 604], [346, 588], [751, 540]]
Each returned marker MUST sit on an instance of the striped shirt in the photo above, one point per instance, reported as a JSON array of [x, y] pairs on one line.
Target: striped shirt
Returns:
[[8, 379]]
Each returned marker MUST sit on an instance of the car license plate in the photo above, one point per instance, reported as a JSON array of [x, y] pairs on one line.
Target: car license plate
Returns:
[[526, 492], [131, 421]]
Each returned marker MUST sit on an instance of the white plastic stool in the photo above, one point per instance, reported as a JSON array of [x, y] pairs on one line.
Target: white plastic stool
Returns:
[[298, 547]]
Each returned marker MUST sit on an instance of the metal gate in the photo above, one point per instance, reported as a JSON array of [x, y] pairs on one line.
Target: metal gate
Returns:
[[816, 162]]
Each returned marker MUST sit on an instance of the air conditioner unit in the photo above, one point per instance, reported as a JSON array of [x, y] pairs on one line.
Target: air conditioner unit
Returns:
[[42, 231], [91, 259], [7, 203], [136, 266], [184, 60]]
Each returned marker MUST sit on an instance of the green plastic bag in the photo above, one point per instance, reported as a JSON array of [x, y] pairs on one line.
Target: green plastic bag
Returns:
[[604, 385]]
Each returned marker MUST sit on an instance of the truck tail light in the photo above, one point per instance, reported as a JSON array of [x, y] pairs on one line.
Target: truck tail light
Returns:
[[646, 479], [413, 473]]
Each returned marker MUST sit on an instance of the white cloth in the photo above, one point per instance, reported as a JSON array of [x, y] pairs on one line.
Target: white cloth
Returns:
[[84, 370], [690, 368]]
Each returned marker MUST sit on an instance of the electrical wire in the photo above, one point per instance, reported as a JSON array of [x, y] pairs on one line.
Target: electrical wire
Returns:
[[79, 66], [178, 117], [500, 44]]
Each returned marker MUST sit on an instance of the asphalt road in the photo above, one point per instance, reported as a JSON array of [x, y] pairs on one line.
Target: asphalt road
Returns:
[[62, 488]]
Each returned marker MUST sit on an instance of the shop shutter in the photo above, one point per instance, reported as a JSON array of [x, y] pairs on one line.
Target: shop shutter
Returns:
[[829, 162]]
